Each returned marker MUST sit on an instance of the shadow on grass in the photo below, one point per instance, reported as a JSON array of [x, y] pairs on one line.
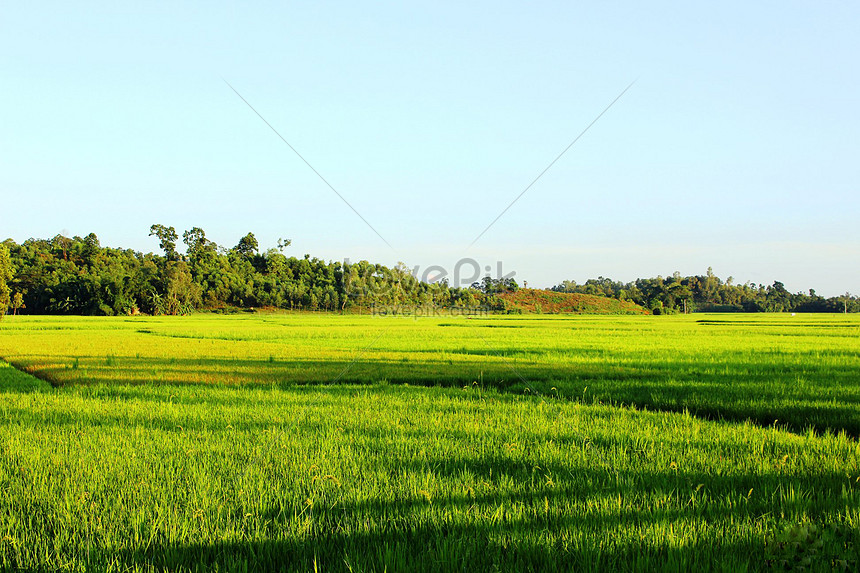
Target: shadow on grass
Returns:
[[14, 380], [799, 394], [518, 523], [457, 548], [825, 399], [525, 531]]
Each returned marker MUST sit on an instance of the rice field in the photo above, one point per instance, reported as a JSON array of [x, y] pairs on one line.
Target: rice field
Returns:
[[301, 442]]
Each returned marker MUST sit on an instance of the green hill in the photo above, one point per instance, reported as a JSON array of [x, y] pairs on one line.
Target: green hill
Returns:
[[549, 302]]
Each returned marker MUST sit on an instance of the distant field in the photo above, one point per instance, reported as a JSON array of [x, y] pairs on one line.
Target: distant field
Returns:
[[296, 442], [799, 371]]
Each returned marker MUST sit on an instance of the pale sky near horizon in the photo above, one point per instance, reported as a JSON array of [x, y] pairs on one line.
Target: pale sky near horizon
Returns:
[[736, 148]]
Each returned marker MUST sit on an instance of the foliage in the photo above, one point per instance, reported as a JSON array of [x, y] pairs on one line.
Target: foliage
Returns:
[[247, 246], [708, 293], [17, 302], [167, 240], [78, 276], [489, 285], [5, 277]]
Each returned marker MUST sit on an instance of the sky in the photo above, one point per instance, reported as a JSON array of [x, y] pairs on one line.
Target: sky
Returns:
[[736, 148]]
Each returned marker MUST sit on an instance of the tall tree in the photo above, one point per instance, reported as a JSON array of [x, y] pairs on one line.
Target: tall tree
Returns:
[[5, 277], [167, 238], [197, 242], [247, 246], [183, 294], [18, 302]]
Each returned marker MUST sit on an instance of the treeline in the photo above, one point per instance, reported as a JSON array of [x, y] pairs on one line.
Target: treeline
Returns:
[[709, 293], [78, 276]]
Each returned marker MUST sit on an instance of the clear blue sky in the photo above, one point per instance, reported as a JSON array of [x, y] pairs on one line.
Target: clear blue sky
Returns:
[[737, 148]]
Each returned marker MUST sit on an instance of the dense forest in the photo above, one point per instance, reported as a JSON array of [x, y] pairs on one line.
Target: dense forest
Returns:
[[79, 276], [708, 293]]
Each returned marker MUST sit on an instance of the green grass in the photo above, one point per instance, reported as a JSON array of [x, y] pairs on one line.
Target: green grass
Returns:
[[336, 443], [799, 371]]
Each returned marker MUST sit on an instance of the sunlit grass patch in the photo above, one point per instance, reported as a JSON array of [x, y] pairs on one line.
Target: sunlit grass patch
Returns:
[[288, 442]]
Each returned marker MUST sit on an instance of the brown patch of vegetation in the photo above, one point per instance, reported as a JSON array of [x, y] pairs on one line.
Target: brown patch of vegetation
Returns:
[[549, 302]]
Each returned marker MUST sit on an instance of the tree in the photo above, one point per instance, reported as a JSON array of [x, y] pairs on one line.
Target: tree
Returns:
[[167, 238], [681, 295], [18, 302], [710, 287], [79, 276], [489, 285], [197, 243], [62, 242], [89, 248], [5, 277], [183, 294], [248, 246]]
